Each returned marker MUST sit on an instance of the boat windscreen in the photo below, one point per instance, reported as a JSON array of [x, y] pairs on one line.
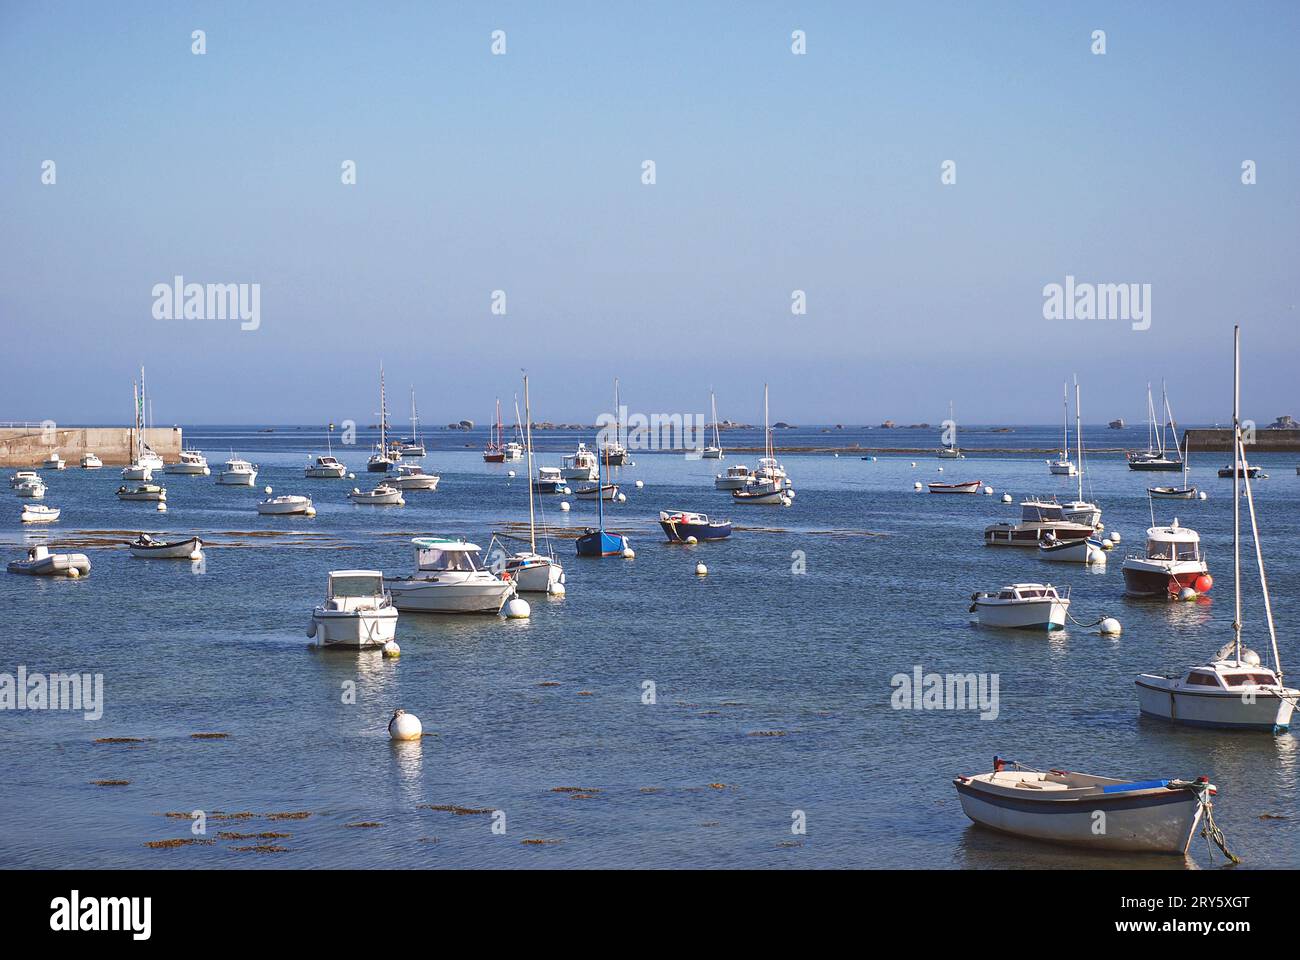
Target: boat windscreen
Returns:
[[356, 586]]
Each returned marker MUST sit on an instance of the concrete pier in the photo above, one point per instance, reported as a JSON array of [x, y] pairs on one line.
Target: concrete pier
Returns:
[[1266, 441], [29, 446]]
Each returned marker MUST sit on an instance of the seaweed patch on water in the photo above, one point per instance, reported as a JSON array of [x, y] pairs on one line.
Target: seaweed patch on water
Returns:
[[1274, 816], [170, 844], [766, 733], [240, 815], [261, 848], [265, 835], [549, 683], [209, 736], [575, 790], [457, 809], [651, 790], [289, 815], [790, 843], [585, 693], [123, 739], [364, 824], [537, 842], [110, 783]]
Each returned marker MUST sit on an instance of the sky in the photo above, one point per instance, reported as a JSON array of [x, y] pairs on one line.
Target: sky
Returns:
[[522, 172]]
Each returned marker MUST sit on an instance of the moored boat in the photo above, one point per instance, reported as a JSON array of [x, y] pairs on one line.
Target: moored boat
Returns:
[[682, 525], [1022, 606], [325, 468], [237, 473], [582, 465], [1171, 561], [383, 495], [549, 480], [30, 489], [287, 504], [39, 562], [737, 477], [448, 579], [39, 513], [148, 547], [411, 476], [357, 613], [969, 486], [54, 462], [91, 462], [608, 491], [142, 491], [1088, 550], [1038, 518], [191, 463]]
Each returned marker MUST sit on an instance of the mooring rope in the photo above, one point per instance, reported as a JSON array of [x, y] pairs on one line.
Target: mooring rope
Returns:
[[1209, 829]]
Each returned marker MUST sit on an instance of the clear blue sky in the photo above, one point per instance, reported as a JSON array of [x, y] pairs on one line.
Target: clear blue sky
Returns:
[[522, 172]]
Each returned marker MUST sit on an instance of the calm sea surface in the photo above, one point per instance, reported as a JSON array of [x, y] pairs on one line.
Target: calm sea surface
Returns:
[[773, 687]]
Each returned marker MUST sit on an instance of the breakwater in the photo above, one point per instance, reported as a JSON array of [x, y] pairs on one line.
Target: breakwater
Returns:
[[29, 446], [1266, 441]]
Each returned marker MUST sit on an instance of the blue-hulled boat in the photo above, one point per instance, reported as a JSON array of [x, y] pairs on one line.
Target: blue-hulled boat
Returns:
[[680, 526], [598, 543]]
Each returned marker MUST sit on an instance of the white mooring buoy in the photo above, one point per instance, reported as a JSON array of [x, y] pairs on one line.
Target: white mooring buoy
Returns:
[[1108, 544], [1006, 498], [510, 473], [556, 590], [701, 570], [916, 485], [162, 506], [1110, 627], [988, 491], [629, 553], [405, 726], [267, 489], [1115, 537], [564, 506], [517, 609], [391, 649], [692, 540], [640, 484], [622, 497]]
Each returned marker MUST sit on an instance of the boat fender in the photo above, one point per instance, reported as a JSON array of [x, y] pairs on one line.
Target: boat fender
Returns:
[[311, 628]]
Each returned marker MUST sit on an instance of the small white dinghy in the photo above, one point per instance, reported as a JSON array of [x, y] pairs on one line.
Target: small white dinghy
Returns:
[[1022, 606], [357, 613], [142, 491], [41, 563], [608, 491], [384, 494], [38, 513], [1158, 816], [151, 548], [969, 486]]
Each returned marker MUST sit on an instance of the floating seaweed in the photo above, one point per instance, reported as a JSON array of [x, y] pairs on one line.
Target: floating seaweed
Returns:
[[208, 736], [180, 842], [291, 815], [110, 783], [123, 740], [265, 835]]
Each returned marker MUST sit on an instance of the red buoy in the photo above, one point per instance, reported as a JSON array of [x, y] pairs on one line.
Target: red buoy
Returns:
[[1204, 582]]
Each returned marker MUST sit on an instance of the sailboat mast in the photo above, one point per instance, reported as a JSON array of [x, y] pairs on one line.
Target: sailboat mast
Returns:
[[767, 429], [1236, 488], [713, 404], [1065, 421], [383, 415], [1151, 421], [528, 442], [415, 419], [135, 415], [1078, 435]]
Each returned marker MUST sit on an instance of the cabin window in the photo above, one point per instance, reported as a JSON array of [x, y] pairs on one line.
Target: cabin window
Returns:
[[432, 559], [1242, 679], [1159, 550], [1185, 551], [356, 586], [1202, 680]]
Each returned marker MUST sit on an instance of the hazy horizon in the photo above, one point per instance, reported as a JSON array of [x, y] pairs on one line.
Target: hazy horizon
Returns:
[[522, 172]]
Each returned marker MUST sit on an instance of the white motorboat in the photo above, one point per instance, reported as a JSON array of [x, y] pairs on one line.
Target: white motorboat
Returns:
[[1038, 518], [357, 613], [383, 495], [31, 489], [411, 476], [1022, 606], [1089, 550], [237, 473], [41, 563], [768, 493], [608, 491], [1171, 561], [1062, 467], [91, 462], [325, 468], [288, 504], [142, 491], [1159, 816], [1235, 689], [447, 579], [714, 450], [549, 480], [512, 451], [24, 476], [137, 471], [39, 513], [737, 477], [580, 465], [192, 463], [148, 547], [54, 462], [966, 486]]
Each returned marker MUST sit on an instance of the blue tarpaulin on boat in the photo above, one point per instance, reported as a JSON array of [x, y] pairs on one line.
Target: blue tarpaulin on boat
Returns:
[[1140, 785]]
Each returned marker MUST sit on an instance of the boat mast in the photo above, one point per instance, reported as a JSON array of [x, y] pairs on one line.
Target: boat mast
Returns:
[[528, 440], [1164, 421], [953, 420], [1151, 421], [383, 415], [135, 415], [1236, 489], [600, 502], [1078, 435], [1065, 422], [415, 419], [617, 427], [713, 403]]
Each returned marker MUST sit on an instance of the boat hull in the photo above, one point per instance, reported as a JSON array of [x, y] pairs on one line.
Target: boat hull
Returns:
[[681, 532], [1043, 614], [34, 514], [1156, 465], [177, 550], [430, 596], [1029, 534], [1158, 697], [53, 565], [730, 483], [1073, 551], [187, 469], [1172, 493], [236, 479], [533, 573], [422, 482], [1147, 580], [354, 629], [971, 487], [597, 543]]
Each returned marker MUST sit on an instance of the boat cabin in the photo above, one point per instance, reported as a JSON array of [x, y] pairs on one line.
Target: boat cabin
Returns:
[[1234, 678], [354, 589], [1173, 543], [1041, 511], [438, 554]]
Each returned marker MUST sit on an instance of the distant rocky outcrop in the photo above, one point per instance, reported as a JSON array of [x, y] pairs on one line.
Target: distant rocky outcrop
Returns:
[[887, 425], [1284, 422]]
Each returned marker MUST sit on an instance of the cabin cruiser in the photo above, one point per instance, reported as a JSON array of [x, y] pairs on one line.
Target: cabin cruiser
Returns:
[[533, 572], [1022, 606], [1156, 816], [286, 505], [191, 463], [1038, 518], [1081, 511], [137, 470], [383, 495], [39, 513], [1233, 690], [149, 547], [580, 465], [766, 493], [325, 468], [357, 613], [41, 563], [381, 461], [411, 476], [770, 470], [54, 462], [24, 476], [1171, 562], [149, 457], [512, 451], [737, 477], [91, 462], [1062, 467], [1247, 470], [681, 525], [448, 579], [549, 480], [237, 473], [142, 491], [31, 489]]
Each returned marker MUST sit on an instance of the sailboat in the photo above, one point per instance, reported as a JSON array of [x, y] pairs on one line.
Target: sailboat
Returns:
[[495, 452], [1080, 510], [1157, 458], [414, 447], [1064, 466], [613, 451], [381, 461], [514, 450], [768, 485], [951, 451], [714, 450], [1235, 689], [148, 456], [534, 572], [1186, 491], [598, 543], [326, 467], [137, 469]]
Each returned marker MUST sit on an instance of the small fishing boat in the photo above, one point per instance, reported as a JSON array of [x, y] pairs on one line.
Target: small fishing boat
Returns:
[[970, 486], [714, 450], [448, 579], [549, 480], [682, 525], [31, 489], [357, 613], [1159, 816], [383, 495], [1171, 561], [1022, 606], [142, 491], [54, 462], [1089, 550], [769, 493], [737, 477], [495, 452], [531, 571], [580, 465], [1038, 518], [325, 468], [285, 505], [608, 491], [411, 476], [192, 463], [39, 513], [237, 473], [41, 563], [512, 451], [91, 462], [1247, 470], [148, 547], [598, 542]]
